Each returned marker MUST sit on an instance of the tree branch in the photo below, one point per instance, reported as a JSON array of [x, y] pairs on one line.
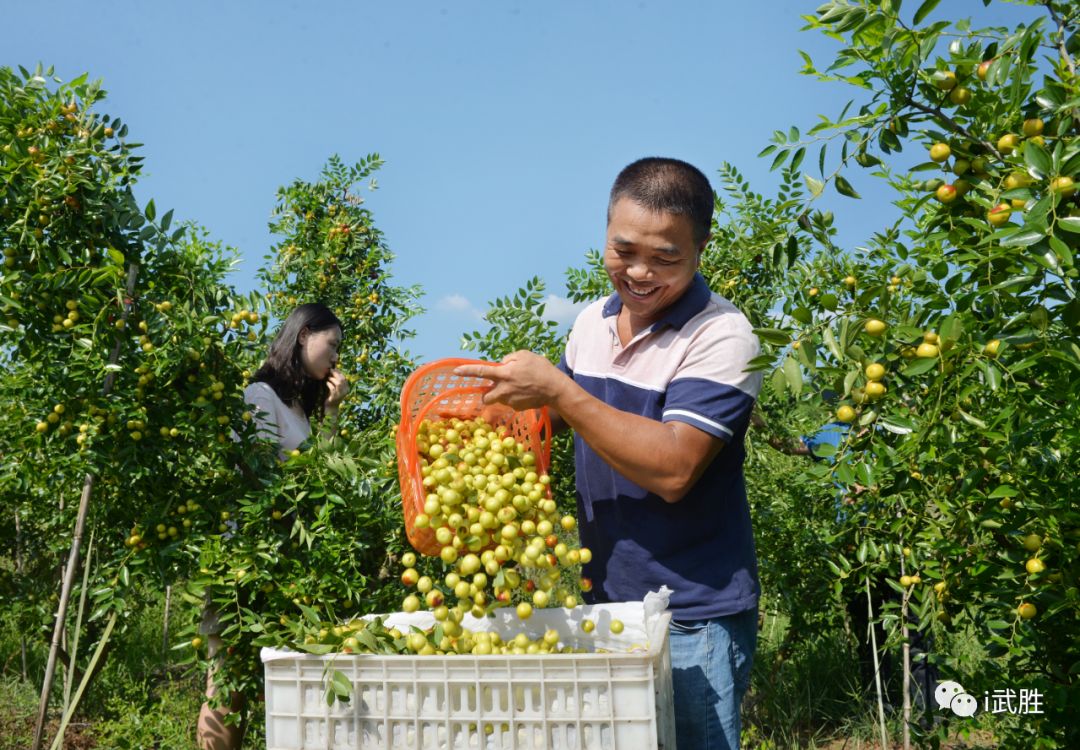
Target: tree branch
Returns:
[[1060, 35], [953, 124]]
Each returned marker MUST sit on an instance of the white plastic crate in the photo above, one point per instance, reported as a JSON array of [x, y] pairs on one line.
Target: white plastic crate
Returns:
[[618, 700]]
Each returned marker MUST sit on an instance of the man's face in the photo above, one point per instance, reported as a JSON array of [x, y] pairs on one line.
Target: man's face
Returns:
[[651, 258]]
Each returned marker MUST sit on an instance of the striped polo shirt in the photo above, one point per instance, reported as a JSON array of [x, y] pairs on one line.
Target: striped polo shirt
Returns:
[[687, 367]]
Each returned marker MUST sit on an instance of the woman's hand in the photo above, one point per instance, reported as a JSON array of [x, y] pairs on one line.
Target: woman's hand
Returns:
[[338, 388]]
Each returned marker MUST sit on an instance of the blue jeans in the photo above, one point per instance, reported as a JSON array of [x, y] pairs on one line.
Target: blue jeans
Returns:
[[710, 671]]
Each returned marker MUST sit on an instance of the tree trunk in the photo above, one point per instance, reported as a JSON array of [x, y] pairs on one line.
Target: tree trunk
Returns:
[[61, 613], [877, 665], [19, 571], [76, 542], [165, 627]]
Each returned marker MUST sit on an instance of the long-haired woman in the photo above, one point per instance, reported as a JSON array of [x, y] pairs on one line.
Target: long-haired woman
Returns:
[[298, 380]]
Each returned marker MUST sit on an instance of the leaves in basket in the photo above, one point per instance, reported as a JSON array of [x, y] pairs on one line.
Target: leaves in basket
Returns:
[[319, 649]]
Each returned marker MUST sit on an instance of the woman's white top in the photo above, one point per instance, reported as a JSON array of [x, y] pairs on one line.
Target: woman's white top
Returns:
[[287, 425]]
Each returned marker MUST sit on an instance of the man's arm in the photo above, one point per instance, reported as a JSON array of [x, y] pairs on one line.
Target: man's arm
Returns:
[[665, 458]]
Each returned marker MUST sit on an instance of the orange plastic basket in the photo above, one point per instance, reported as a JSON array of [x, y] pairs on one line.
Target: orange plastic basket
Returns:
[[434, 392]]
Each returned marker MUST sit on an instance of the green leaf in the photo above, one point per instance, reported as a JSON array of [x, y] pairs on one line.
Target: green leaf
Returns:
[[1022, 238], [897, 425], [1063, 251], [844, 187], [151, 210], [309, 614], [1072, 163], [919, 366], [803, 315], [318, 649], [116, 256], [830, 342], [829, 13], [924, 10], [952, 328], [774, 336], [849, 380], [972, 420], [1013, 281], [792, 250], [779, 382], [367, 639], [793, 375], [844, 474], [340, 683], [797, 159], [1037, 160], [759, 363], [1004, 490], [816, 186], [1069, 223], [866, 160], [851, 19], [865, 473]]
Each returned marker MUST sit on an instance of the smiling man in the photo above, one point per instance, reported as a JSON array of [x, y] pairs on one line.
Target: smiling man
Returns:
[[654, 384]]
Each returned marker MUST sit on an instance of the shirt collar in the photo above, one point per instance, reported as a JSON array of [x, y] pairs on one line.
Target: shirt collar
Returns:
[[693, 301]]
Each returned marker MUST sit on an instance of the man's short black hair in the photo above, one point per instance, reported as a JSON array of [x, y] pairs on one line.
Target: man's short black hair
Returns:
[[667, 185]]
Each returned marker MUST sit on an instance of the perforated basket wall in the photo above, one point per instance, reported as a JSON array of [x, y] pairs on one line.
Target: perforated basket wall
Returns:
[[434, 392]]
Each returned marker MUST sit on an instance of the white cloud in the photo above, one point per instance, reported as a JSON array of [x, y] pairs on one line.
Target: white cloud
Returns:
[[459, 303], [562, 310]]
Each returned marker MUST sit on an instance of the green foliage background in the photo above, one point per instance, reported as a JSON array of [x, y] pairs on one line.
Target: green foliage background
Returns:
[[124, 353]]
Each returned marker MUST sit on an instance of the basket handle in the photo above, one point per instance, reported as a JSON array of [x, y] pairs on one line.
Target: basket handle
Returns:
[[423, 370]]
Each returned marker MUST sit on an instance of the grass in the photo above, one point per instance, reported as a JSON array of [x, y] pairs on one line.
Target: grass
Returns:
[[804, 693], [141, 699]]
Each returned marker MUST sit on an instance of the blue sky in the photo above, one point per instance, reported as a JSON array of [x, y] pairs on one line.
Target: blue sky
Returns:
[[502, 124]]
